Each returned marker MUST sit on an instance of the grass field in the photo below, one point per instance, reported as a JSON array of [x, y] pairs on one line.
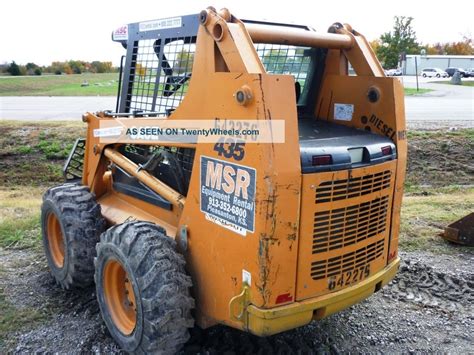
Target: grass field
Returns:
[[70, 85], [60, 85], [413, 91], [463, 83], [424, 217]]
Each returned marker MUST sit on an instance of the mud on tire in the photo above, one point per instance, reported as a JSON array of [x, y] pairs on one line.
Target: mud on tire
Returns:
[[71, 225], [161, 300]]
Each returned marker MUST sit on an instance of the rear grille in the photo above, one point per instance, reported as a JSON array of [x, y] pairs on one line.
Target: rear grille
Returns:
[[345, 226], [346, 262], [336, 190]]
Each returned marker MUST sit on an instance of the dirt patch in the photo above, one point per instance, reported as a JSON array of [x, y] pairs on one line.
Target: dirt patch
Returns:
[[33, 154], [440, 158]]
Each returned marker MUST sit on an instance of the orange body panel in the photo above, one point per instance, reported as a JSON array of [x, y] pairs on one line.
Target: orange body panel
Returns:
[[384, 117], [343, 227], [278, 255]]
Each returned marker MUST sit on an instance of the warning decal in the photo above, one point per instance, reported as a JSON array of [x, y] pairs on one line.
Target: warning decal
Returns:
[[228, 194], [343, 112]]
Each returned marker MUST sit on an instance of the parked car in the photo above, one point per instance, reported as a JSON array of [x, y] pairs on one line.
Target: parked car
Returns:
[[461, 71], [470, 72], [393, 72], [433, 72]]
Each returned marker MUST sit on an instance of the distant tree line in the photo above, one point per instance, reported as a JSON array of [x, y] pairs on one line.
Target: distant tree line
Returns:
[[58, 68], [464, 47], [392, 46]]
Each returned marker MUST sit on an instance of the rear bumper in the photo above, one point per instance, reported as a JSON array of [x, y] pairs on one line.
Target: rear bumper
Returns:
[[264, 322]]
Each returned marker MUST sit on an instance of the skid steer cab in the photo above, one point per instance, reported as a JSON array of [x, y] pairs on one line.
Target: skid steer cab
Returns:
[[260, 234]]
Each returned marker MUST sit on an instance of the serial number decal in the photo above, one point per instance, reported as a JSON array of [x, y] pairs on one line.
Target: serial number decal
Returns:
[[238, 129], [348, 278], [228, 194]]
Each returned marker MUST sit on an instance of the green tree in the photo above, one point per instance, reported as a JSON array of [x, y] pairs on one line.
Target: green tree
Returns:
[[401, 40], [101, 67], [57, 68], [77, 66], [14, 69], [31, 66], [32, 69]]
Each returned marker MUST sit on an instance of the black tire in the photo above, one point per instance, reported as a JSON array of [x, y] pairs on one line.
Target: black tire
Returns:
[[77, 219], [438, 76], [424, 75], [162, 302]]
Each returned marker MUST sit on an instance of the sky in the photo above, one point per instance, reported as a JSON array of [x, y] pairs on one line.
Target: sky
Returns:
[[42, 31]]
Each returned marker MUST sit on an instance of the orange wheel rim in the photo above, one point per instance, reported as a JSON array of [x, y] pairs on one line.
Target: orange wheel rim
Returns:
[[120, 297], [55, 240]]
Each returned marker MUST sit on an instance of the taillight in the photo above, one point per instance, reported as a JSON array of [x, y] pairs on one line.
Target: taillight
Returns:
[[387, 150], [286, 297], [322, 160]]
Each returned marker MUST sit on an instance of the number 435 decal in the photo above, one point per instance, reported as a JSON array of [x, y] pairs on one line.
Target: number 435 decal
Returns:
[[230, 148]]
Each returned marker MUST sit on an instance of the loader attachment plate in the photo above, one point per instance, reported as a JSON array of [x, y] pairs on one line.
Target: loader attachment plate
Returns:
[[461, 231]]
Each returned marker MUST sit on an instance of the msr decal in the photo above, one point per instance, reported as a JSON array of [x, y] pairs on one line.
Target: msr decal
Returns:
[[378, 123], [228, 194]]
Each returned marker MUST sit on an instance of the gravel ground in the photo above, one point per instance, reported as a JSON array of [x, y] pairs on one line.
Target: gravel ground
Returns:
[[427, 308]]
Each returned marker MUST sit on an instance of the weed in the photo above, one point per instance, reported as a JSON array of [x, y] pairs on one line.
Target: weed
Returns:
[[13, 319], [24, 149], [19, 217], [21, 232], [54, 149], [413, 91], [425, 216]]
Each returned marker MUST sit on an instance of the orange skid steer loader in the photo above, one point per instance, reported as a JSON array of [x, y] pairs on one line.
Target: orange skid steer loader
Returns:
[[259, 236]]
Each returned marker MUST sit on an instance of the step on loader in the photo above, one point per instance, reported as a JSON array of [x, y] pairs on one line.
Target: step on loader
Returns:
[[259, 236]]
